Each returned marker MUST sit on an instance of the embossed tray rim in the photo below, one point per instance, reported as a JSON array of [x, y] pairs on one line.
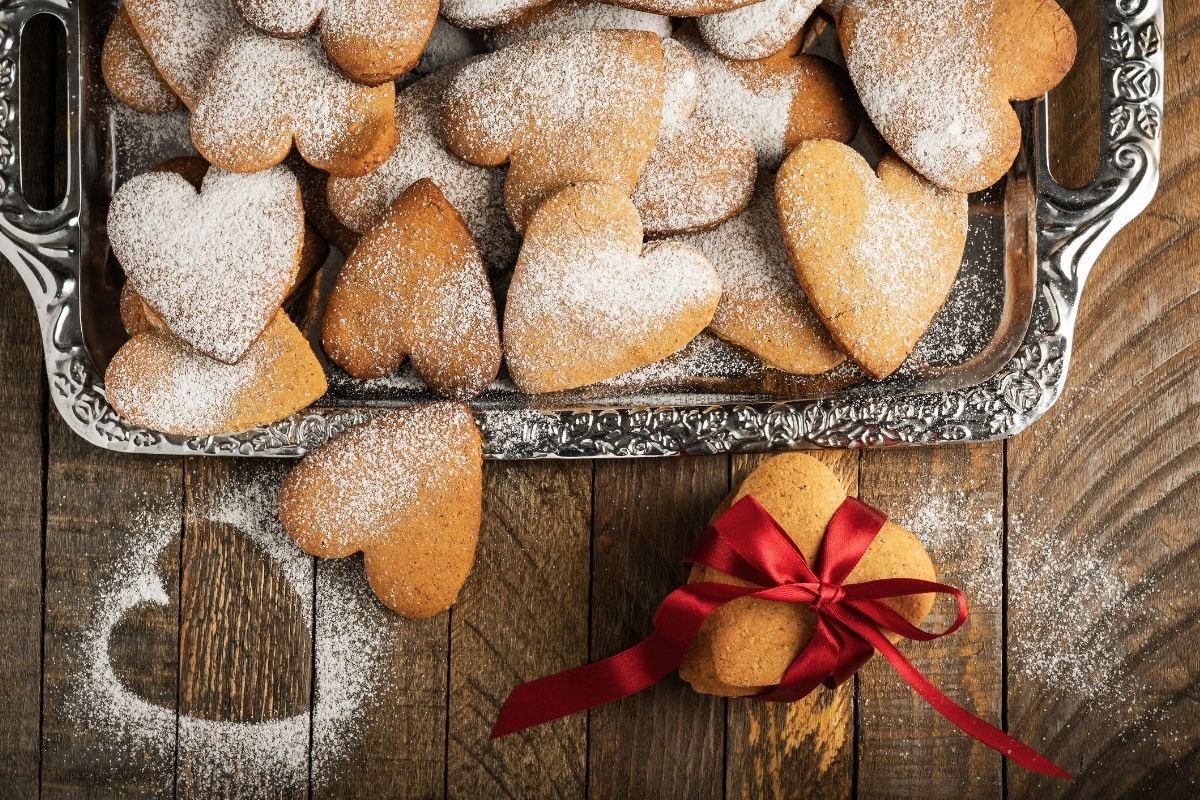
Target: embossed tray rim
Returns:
[[1071, 229]]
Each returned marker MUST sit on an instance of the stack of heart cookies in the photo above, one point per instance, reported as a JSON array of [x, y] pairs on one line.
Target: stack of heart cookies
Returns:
[[631, 173]]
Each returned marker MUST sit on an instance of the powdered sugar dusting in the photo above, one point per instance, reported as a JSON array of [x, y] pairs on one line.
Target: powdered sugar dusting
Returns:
[[183, 37], [486, 13], [757, 30], [213, 265], [563, 16], [354, 655]]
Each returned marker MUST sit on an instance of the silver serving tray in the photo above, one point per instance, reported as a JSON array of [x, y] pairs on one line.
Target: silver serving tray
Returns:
[[994, 361]]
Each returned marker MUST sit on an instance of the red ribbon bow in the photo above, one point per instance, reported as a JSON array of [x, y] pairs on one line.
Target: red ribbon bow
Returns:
[[747, 543]]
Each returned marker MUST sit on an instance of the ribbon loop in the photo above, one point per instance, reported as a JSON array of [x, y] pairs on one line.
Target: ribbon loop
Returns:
[[747, 543]]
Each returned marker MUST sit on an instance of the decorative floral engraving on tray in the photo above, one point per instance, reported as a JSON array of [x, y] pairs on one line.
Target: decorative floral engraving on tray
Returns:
[[1073, 226]]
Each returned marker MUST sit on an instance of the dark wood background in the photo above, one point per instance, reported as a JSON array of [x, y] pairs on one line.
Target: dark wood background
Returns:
[[575, 557]]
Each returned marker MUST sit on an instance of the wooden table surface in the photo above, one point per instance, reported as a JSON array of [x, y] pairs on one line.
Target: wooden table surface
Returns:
[[1076, 543]]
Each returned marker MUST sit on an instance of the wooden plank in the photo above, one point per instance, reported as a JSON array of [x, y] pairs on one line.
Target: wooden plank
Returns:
[[379, 721], [523, 615], [245, 661], [667, 741], [22, 427], [1103, 615], [111, 620], [772, 749], [953, 499]]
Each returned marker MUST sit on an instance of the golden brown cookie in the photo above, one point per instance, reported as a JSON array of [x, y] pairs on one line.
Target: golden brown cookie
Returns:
[[479, 14], [937, 79], [559, 110], [776, 102], [416, 287], [214, 264], [372, 41], [183, 38], [757, 30], [406, 489], [157, 381], [763, 309], [748, 644], [477, 192], [699, 174], [876, 256], [564, 16], [683, 8], [314, 189], [264, 94], [588, 303], [130, 74]]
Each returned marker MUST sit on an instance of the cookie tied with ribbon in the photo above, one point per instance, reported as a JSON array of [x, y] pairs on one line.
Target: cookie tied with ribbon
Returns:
[[752, 557]]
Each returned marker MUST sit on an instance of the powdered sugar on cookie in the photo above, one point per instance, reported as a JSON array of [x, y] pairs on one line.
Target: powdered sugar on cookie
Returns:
[[563, 16], [757, 30]]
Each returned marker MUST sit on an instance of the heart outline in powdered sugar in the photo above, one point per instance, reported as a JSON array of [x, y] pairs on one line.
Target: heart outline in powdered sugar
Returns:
[[416, 288], [588, 303], [876, 252], [567, 108], [938, 78], [213, 264], [372, 41]]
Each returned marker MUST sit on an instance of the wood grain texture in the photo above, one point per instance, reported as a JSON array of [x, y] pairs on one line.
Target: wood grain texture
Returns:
[[102, 508], [953, 499], [395, 744], [665, 742], [772, 748], [523, 615], [1103, 611], [245, 638]]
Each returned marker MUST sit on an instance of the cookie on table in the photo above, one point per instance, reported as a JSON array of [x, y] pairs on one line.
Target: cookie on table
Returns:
[[405, 489], [563, 109], [758, 30], [215, 263], [748, 644], [159, 382], [565, 16], [182, 39], [876, 252], [477, 192], [938, 78], [416, 287], [264, 94], [775, 102], [130, 74], [699, 174], [372, 41], [763, 309], [587, 302]]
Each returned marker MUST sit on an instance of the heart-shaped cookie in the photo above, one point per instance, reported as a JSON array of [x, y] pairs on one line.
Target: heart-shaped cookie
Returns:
[[748, 644], [477, 192], [372, 41], [157, 381], [587, 303], [699, 173], [567, 108], [758, 30], [876, 256], [416, 286], [405, 489], [938, 78], [263, 94], [565, 16], [213, 264], [130, 74], [763, 309], [183, 38], [775, 102]]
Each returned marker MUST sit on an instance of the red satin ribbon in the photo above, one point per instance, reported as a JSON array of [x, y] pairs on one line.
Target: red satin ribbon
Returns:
[[747, 543]]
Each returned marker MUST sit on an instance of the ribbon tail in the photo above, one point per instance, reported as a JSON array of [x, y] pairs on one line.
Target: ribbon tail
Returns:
[[1009, 747], [586, 687]]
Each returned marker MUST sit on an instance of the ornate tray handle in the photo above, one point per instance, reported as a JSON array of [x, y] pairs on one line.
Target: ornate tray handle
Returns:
[[1071, 229]]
